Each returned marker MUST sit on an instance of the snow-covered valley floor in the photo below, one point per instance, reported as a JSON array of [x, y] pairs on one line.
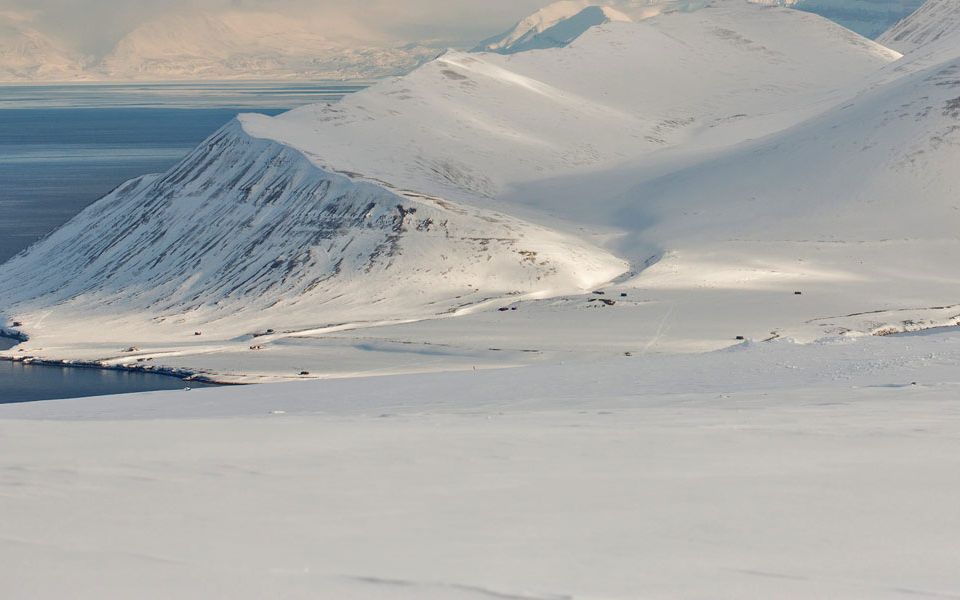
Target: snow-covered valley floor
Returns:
[[780, 470]]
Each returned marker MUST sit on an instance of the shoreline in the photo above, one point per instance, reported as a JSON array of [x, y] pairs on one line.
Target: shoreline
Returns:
[[183, 375], [188, 375]]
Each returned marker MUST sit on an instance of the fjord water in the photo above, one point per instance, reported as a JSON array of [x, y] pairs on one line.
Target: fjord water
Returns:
[[63, 147], [55, 162], [26, 383]]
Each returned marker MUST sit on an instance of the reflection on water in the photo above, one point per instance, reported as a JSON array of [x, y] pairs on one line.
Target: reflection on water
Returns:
[[25, 383], [28, 383]]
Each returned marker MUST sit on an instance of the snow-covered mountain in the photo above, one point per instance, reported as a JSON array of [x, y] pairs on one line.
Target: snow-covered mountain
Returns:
[[248, 234], [891, 224], [251, 45], [28, 54], [937, 22], [561, 22], [481, 180], [554, 26], [493, 119]]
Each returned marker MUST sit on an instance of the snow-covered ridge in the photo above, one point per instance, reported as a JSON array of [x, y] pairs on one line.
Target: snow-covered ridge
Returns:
[[901, 139], [749, 71], [560, 23], [554, 26]]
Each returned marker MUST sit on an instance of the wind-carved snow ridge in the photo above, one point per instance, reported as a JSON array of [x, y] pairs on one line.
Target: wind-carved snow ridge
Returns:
[[247, 230], [552, 27], [559, 24]]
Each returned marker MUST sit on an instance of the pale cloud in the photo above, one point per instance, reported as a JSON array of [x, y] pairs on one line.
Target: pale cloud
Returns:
[[93, 26]]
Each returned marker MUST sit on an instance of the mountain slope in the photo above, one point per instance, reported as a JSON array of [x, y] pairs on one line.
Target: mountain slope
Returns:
[[561, 22], [936, 22], [899, 138], [862, 199], [552, 27], [246, 233], [749, 71]]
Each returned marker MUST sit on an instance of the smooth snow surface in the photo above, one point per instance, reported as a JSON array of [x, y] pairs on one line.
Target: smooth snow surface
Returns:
[[767, 471]]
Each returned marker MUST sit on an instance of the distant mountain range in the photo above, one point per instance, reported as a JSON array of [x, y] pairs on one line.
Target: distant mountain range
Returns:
[[239, 44], [27, 54], [224, 45], [244, 44]]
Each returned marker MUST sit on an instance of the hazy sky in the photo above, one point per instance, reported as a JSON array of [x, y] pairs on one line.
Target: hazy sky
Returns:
[[94, 25]]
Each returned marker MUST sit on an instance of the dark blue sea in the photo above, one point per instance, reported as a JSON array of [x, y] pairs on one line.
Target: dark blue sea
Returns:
[[63, 147], [27, 383]]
